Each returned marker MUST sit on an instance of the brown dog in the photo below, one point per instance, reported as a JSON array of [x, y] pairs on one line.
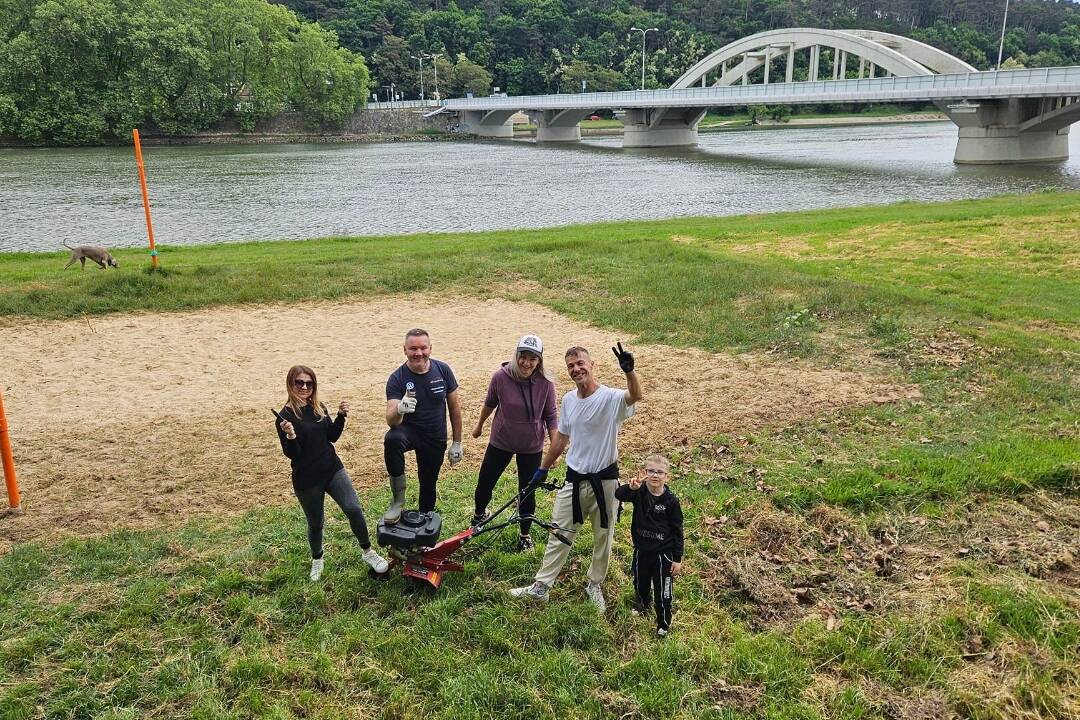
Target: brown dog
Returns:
[[94, 253]]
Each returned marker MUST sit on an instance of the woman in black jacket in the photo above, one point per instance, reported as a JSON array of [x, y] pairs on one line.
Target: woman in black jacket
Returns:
[[307, 438]]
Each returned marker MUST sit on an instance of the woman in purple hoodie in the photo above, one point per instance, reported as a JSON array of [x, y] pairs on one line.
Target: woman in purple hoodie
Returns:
[[525, 398]]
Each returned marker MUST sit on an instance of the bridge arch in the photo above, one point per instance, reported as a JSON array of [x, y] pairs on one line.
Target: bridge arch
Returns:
[[895, 54]]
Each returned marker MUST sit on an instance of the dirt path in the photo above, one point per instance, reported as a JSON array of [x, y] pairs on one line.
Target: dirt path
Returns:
[[149, 419]]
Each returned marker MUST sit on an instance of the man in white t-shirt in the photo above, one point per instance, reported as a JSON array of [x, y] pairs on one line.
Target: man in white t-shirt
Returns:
[[589, 423]]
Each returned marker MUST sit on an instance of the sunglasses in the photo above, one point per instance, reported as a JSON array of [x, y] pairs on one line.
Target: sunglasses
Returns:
[[300, 384]]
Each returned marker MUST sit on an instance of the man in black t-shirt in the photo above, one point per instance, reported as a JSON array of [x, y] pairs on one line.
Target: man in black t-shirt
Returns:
[[418, 396]]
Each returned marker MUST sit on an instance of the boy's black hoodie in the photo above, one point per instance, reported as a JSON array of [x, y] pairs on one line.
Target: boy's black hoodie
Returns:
[[658, 521]]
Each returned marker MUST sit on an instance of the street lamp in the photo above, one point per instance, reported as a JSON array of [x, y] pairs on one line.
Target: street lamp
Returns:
[[421, 60], [435, 65], [643, 34], [1001, 45]]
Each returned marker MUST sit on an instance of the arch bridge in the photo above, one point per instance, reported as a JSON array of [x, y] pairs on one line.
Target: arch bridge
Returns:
[[1002, 116]]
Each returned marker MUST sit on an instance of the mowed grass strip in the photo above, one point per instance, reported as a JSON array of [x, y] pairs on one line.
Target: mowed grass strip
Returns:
[[1016, 262]]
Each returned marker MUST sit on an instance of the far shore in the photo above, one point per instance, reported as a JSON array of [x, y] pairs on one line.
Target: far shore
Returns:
[[332, 138]]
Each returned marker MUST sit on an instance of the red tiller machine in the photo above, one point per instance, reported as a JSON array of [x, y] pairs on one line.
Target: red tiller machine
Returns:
[[413, 541]]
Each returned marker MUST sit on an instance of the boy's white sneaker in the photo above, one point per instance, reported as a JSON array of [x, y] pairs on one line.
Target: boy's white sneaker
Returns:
[[661, 632], [316, 570], [376, 561], [596, 595], [537, 592]]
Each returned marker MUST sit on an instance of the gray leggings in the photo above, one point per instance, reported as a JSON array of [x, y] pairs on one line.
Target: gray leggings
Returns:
[[341, 489]]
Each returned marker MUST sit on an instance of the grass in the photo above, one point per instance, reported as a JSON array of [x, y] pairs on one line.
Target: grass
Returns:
[[932, 537]]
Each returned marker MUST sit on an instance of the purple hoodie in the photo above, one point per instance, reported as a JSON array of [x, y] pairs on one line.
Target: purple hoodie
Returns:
[[525, 409]]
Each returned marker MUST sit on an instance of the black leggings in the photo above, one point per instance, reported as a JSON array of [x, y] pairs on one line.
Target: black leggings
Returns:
[[340, 488], [491, 469], [429, 458]]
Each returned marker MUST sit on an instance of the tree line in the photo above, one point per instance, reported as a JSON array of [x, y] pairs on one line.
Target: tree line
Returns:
[[547, 46], [78, 72], [84, 71]]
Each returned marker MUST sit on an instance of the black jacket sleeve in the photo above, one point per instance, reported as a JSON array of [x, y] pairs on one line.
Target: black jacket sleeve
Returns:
[[677, 532], [334, 429], [625, 493], [291, 448]]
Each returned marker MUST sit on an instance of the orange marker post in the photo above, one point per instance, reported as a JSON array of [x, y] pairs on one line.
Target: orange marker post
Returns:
[[145, 197], [9, 462]]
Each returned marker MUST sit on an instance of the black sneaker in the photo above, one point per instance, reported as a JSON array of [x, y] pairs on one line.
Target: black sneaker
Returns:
[[525, 543], [478, 518]]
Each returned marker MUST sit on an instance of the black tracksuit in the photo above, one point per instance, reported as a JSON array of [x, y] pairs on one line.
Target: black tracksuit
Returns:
[[657, 532]]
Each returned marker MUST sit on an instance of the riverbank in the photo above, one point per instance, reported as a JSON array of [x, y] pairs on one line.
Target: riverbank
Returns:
[[233, 136], [871, 414]]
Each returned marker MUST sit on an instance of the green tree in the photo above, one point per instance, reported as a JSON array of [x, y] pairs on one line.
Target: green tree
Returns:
[[594, 77], [329, 81], [80, 71], [468, 77]]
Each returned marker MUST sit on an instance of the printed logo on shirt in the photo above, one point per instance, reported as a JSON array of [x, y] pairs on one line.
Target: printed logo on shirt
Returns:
[[660, 508], [438, 387], [409, 386]]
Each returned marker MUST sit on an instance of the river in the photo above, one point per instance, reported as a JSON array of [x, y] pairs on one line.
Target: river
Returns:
[[210, 193]]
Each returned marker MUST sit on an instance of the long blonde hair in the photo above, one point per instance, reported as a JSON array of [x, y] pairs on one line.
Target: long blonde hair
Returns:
[[538, 372], [295, 403]]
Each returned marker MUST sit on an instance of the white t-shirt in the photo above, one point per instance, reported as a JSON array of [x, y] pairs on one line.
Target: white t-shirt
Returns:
[[593, 426]]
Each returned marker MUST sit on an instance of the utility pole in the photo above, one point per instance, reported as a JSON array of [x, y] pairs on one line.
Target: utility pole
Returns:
[[434, 63], [643, 34], [421, 60]]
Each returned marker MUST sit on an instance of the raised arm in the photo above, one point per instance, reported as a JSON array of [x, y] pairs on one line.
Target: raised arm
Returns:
[[633, 388], [633, 384], [290, 445], [393, 417], [333, 433]]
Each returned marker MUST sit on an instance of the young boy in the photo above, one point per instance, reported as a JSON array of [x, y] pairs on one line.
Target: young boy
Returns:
[[657, 532]]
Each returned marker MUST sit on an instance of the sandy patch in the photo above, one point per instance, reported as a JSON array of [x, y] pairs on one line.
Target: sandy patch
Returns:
[[149, 419]]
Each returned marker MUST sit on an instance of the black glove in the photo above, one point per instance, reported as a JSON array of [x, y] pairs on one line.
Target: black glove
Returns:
[[626, 359]]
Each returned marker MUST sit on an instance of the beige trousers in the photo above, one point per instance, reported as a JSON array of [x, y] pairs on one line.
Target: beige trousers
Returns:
[[563, 513]]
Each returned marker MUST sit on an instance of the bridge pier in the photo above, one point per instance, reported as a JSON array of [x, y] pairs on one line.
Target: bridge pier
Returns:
[[1003, 146], [1016, 130], [488, 123], [558, 125], [660, 127]]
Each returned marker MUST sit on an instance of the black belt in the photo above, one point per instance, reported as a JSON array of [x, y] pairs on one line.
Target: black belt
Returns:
[[595, 480]]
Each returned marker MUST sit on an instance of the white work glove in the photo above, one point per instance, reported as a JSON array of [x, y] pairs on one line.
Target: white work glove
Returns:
[[455, 453], [407, 404]]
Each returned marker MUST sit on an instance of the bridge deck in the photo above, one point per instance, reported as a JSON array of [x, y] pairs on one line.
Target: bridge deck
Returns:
[[1037, 82]]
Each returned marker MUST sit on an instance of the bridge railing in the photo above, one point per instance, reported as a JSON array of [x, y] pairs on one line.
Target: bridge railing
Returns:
[[399, 104], [1034, 82]]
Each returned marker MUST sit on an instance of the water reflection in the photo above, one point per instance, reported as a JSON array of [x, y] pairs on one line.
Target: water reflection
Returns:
[[207, 194]]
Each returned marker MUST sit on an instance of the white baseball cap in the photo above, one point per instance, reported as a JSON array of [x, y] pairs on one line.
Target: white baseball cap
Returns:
[[532, 343]]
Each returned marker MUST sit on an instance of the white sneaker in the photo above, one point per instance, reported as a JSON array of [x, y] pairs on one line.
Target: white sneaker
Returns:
[[316, 569], [596, 595], [661, 632], [537, 592], [376, 561]]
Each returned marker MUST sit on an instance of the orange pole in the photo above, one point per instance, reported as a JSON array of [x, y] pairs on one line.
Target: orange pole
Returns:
[[8, 461], [145, 197]]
